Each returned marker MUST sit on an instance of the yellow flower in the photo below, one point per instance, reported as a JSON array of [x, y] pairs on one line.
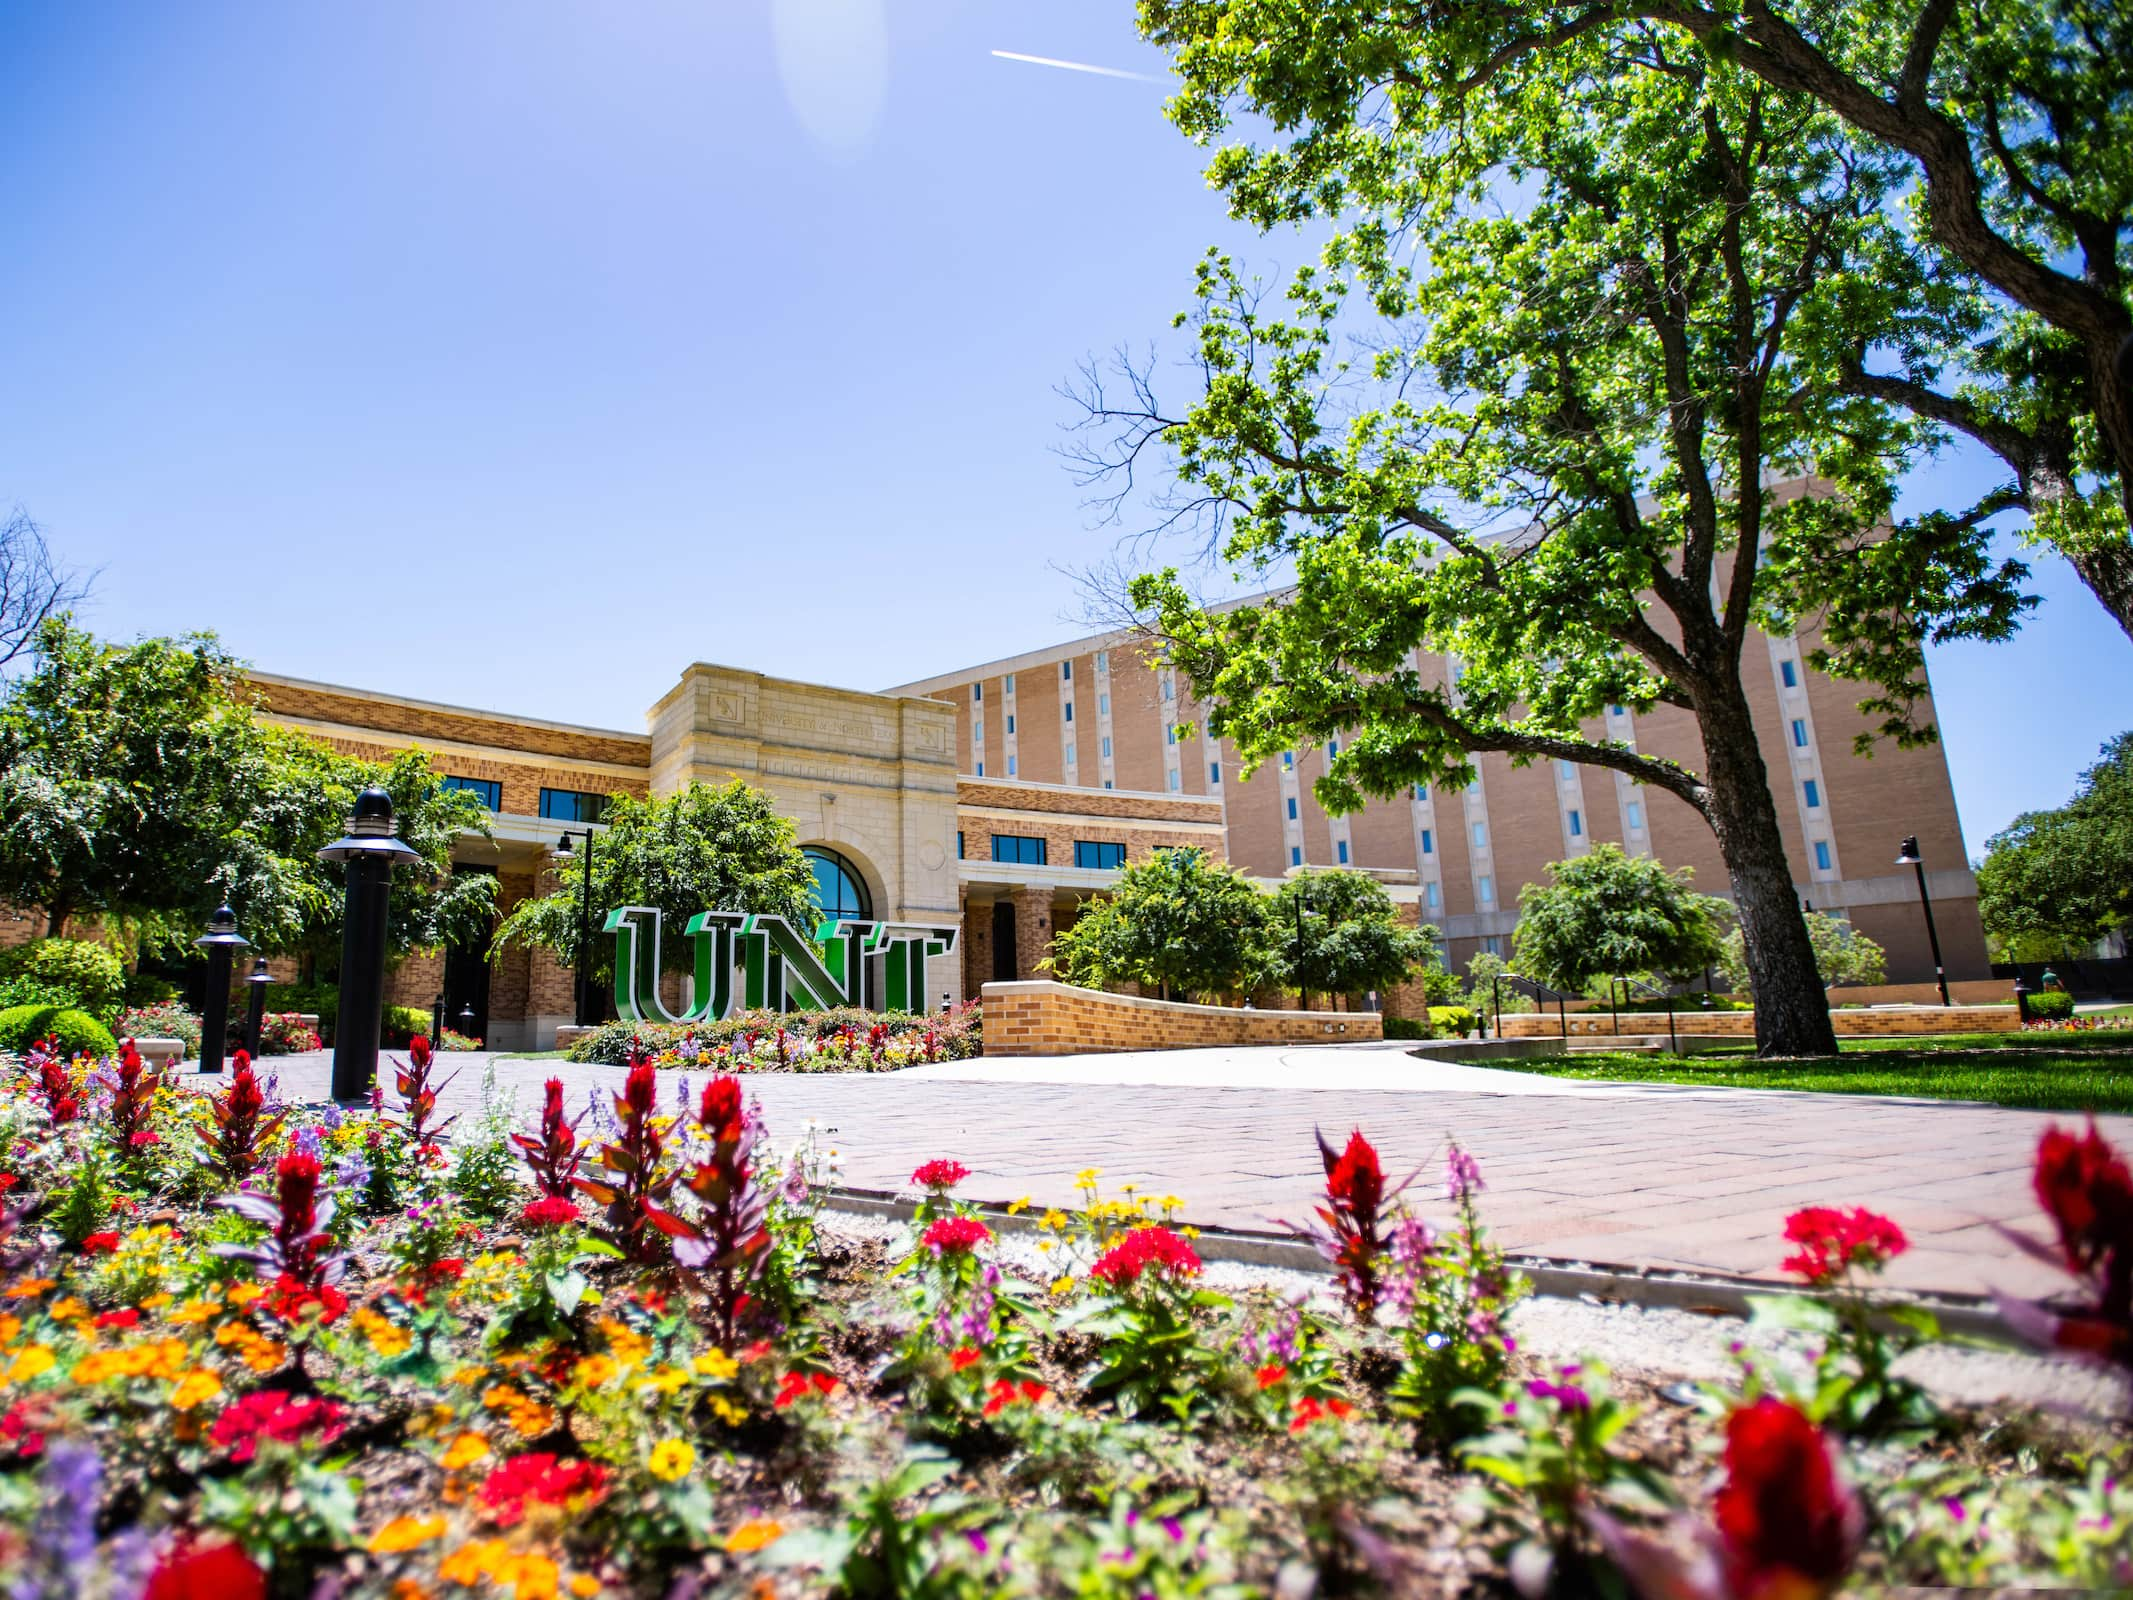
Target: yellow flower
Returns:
[[1063, 1285], [474, 1561], [382, 1334], [753, 1534], [1087, 1176], [1054, 1219], [68, 1309], [665, 1381], [195, 1387], [727, 1412], [10, 1325], [465, 1450], [405, 1533], [199, 1309], [716, 1364], [670, 1459], [1171, 1202], [1016, 1207], [467, 1377], [584, 1586], [529, 1577], [31, 1361], [157, 1301], [627, 1345], [243, 1294], [596, 1372]]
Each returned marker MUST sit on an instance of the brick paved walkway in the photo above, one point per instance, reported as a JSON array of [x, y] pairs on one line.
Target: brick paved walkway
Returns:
[[1619, 1174]]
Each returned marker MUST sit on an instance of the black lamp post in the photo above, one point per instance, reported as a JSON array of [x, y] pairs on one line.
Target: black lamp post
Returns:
[[585, 924], [370, 853], [1303, 991], [1908, 856], [255, 1006], [221, 942]]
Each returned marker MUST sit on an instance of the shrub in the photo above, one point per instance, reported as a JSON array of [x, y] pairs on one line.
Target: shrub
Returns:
[[164, 1021], [71, 1032], [1454, 1022], [403, 1024], [2052, 1005], [145, 989], [89, 974], [613, 1044], [283, 1033], [16, 992], [1407, 1028], [320, 1000]]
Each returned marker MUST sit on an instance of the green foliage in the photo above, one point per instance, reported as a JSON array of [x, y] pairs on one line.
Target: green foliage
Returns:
[[1349, 938], [1407, 1028], [1609, 914], [1177, 923], [1842, 954], [2051, 1005], [702, 849], [485, 1175], [2054, 881], [70, 1032], [88, 974], [1452, 1022], [402, 1023], [169, 1021], [1451, 1295], [1484, 994], [614, 1043]]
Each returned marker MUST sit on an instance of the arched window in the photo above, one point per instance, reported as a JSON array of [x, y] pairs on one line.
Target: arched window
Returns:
[[840, 893]]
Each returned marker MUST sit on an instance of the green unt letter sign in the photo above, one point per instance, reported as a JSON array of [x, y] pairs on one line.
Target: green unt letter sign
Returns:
[[779, 969]]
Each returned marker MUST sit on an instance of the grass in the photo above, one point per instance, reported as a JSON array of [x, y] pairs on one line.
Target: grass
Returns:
[[2070, 1072]]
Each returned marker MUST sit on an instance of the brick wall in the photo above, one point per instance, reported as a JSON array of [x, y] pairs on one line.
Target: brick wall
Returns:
[[287, 698], [1051, 1019]]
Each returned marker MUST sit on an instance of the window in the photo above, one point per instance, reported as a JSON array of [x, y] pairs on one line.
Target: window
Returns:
[[1103, 705], [1790, 673], [1292, 808], [1614, 711], [1435, 897], [1296, 855], [1288, 761], [1422, 792], [1481, 836], [1018, 849], [1070, 753], [1167, 689], [1099, 855], [1010, 766], [1009, 682], [1107, 747], [1493, 944], [1214, 774], [572, 805], [840, 893], [1577, 826], [1821, 855], [1565, 769], [977, 693], [1108, 784], [1070, 711], [1633, 814], [1333, 748], [1485, 889], [981, 769], [1799, 733], [1170, 736], [1175, 779], [1340, 849], [977, 731], [1429, 842], [487, 790], [1814, 795], [959, 844], [1103, 661], [1066, 672], [1010, 724]]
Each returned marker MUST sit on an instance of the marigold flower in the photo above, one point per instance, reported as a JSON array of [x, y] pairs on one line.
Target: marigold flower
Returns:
[[30, 1288], [584, 1585], [955, 1235], [31, 1361], [464, 1451], [596, 1372], [670, 1459], [940, 1174], [405, 1533], [754, 1534], [194, 1388], [1833, 1241]]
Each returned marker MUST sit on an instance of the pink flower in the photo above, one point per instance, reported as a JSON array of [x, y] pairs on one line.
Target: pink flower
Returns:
[[955, 1235], [551, 1211], [940, 1175], [1145, 1250], [1832, 1242]]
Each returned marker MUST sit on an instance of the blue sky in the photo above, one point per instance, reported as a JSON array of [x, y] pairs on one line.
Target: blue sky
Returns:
[[517, 354]]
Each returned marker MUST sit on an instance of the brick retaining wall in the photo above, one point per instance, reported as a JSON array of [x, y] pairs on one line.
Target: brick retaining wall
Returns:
[[1054, 1019], [1741, 1024]]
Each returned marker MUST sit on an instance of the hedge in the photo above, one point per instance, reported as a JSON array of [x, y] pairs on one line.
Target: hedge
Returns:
[[70, 1032]]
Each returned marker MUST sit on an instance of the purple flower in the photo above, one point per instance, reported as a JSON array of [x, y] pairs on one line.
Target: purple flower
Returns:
[[1176, 1532], [977, 1541], [62, 1537], [1462, 1176], [307, 1142]]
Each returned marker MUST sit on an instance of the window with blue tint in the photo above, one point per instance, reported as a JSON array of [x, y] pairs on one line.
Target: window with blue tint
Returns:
[[1288, 761], [1010, 766], [1022, 850], [1633, 814], [1481, 836], [1066, 671], [1009, 683], [1103, 661], [1296, 856], [1814, 795], [1108, 784], [1103, 705], [1214, 772], [1493, 944], [1333, 748], [1485, 889], [1790, 673], [1292, 808], [1174, 778], [1799, 733], [977, 692], [1070, 755], [981, 769], [1170, 736], [1577, 826], [1098, 854], [1429, 842], [572, 805], [1010, 724], [1614, 711], [1421, 791], [1166, 688], [1070, 711], [1565, 769], [1107, 745], [959, 844], [840, 893], [1340, 849], [1435, 898], [487, 790], [1821, 855]]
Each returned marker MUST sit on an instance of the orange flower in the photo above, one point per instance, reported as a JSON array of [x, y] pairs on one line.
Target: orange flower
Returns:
[[405, 1533], [754, 1534], [465, 1450]]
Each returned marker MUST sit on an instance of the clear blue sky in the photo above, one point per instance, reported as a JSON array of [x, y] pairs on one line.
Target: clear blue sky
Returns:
[[518, 354]]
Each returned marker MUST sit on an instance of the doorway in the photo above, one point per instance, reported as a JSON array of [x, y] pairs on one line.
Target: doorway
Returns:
[[1003, 942]]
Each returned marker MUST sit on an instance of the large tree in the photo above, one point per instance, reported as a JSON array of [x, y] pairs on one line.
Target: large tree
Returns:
[[1569, 330], [1177, 923], [701, 849], [1842, 954], [1606, 914], [1339, 933], [2054, 881], [34, 585], [2005, 310]]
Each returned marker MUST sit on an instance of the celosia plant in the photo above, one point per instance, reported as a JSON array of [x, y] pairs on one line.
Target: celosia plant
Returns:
[[728, 1239], [553, 1154], [240, 1130], [1351, 1232], [418, 1095], [133, 1096], [637, 1181], [2086, 1190], [298, 1246]]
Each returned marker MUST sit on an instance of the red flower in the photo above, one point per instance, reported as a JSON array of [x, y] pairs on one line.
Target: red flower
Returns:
[[296, 1176], [1832, 1242], [1785, 1518], [290, 1299], [1142, 1250], [418, 1050], [1005, 1392], [720, 1113], [219, 1571], [1270, 1375], [798, 1385], [552, 1211], [100, 1244], [540, 1478], [18, 1430], [2085, 1188], [119, 1319], [940, 1174], [1311, 1409], [955, 1235], [640, 1090], [1356, 1182], [969, 1356], [275, 1414]]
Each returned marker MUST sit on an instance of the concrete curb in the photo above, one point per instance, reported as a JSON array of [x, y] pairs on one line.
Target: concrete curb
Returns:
[[1964, 1316]]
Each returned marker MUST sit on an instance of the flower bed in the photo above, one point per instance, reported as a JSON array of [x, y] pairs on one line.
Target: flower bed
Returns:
[[772, 1041], [617, 1351]]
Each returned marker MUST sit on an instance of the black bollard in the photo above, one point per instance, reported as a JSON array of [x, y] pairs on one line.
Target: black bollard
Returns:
[[255, 1009], [221, 942], [370, 852]]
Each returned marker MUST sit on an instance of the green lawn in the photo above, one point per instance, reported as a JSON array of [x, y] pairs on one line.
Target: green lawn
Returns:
[[2085, 1072]]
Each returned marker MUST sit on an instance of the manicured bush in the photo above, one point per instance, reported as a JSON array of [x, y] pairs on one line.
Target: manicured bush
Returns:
[[321, 1000], [2051, 1005], [1407, 1028], [1452, 1021], [169, 1021], [32, 992], [89, 974], [402, 1023], [818, 1034], [70, 1032]]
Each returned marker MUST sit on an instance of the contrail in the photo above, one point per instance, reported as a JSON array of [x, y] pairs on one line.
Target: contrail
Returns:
[[1076, 66]]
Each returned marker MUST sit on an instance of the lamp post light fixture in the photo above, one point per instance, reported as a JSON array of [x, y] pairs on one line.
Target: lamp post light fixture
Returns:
[[1908, 856], [222, 941], [369, 851], [583, 974], [255, 1010], [466, 1020]]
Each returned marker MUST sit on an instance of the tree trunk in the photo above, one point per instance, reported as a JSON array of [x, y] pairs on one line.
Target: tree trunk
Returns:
[[55, 921], [1791, 1006], [2109, 574]]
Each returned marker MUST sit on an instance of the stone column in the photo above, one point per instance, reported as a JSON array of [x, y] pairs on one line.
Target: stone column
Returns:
[[1033, 929]]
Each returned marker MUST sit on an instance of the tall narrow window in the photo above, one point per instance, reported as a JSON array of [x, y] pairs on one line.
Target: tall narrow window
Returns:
[[1174, 778], [1633, 814], [977, 693], [1333, 748], [1010, 724], [1296, 856], [1070, 755], [1340, 849], [1103, 705], [1214, 772], [1010, 766], [1166, 689], [1292, 808], [1435, 898], [1009, 683], [1814, 795], [1429, 842], [1481, 836], [1577, 826], [1070, 711], [1107, 747], [1288, 761], [1066, 672], [1170, 736], [1790, 673], [1799, 733], [1485, 889], [1103, 661], [981, 769], [1821, 855]]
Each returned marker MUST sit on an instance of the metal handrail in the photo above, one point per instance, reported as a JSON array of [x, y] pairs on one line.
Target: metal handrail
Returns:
[[1672, 1043], [1541, 992]]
